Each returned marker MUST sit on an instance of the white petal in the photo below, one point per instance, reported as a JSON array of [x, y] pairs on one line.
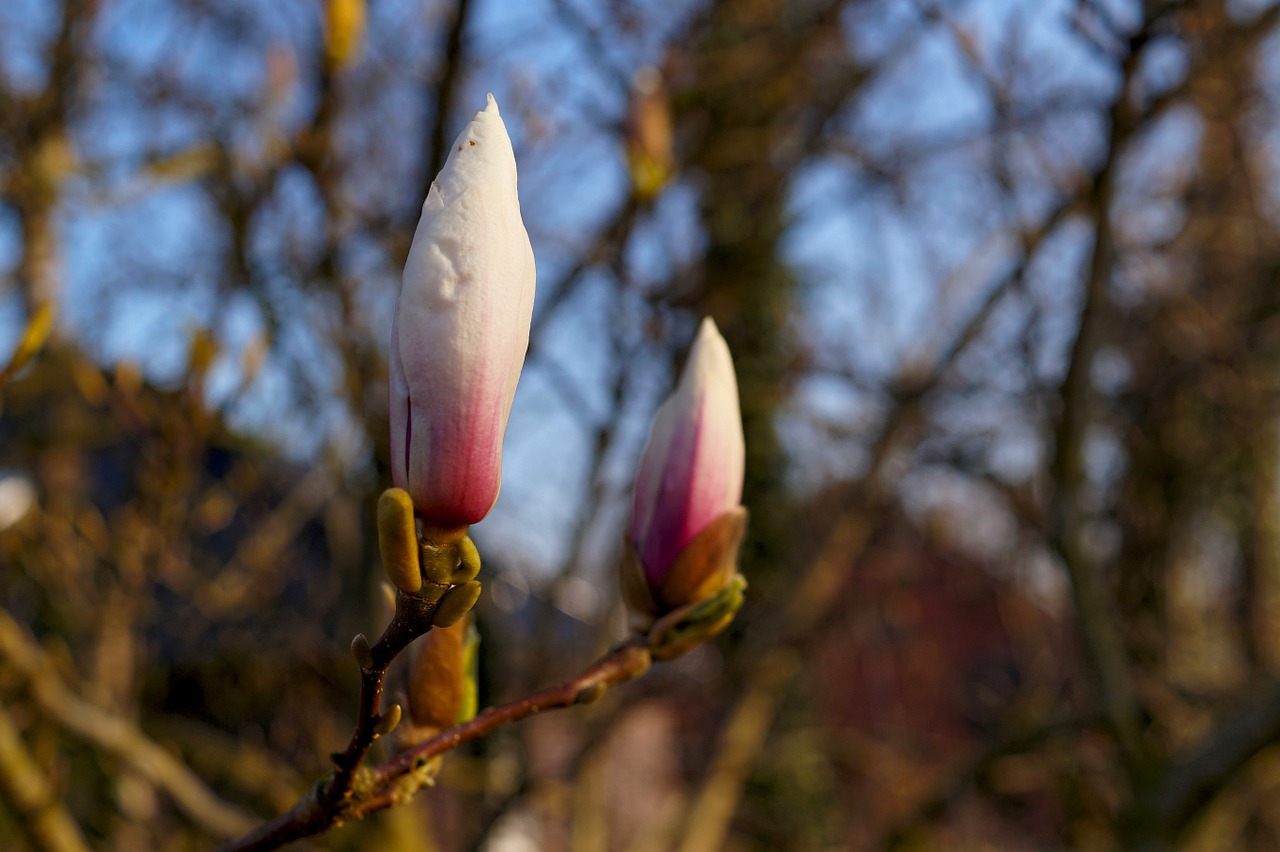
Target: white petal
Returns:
[[463, 316]]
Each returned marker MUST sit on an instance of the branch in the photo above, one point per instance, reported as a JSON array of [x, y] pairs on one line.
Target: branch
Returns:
[[626, 662], [328, 802], [740, 741], [117, 736], [595, 44], [28, 792], [444, 92], [606, 249], [1252, 726], [843, 543], [331, 803], [1067, 512], [1018, 741]]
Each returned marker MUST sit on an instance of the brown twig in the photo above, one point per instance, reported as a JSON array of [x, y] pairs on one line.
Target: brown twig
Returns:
[[350, 794], [26, 790], [117, 736], [626, 662], [1251, 726], [817, 589], [1067, 513], [327, 804], [445, 90], [905, 832]]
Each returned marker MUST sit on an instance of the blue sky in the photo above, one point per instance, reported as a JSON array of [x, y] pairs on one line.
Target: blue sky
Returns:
[[886, 272]]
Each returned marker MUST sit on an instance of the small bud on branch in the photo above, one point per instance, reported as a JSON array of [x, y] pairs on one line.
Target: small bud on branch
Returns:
[[680, 565]]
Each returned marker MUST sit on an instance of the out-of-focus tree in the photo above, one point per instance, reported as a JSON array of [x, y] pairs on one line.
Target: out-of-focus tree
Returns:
[[1002, 284]]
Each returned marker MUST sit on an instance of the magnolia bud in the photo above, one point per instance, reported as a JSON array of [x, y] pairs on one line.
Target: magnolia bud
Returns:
[[461, 330], [686, 521]]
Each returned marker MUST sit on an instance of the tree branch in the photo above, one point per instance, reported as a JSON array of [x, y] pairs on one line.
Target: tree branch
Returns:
[[1253, 725], [1067, 512], [327, 804], [117, 736], [28, 792], [626, 662], [818, 585], [444, 93], [348, 796]]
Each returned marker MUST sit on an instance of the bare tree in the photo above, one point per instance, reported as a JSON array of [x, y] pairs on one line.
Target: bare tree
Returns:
[[1000, 283]]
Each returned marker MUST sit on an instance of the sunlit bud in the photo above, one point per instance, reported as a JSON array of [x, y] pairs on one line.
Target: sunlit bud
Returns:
[[398, 540], [455, 603], [461, 330], [680, 631], [362, 652], [442, 677], [686, 521], [388, 721]]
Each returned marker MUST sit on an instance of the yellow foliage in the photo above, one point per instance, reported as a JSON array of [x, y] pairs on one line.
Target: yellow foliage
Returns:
[[204, 348], [648, 176], [33, 340]]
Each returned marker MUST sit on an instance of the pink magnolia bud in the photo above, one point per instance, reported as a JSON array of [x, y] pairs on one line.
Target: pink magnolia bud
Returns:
[[461, 330], [691, 471]]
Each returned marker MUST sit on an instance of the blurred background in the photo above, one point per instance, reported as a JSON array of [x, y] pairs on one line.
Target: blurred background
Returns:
[[1002, 283]]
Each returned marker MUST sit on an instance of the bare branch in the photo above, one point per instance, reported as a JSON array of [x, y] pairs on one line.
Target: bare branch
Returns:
[[453, 61], [28, 792], [380, 787], [1067, 511], [117, 736], [1252, 726]]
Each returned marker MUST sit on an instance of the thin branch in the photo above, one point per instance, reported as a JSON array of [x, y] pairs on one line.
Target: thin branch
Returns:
[[947, 794], [117, 736], [445, 90], [605, 250], [1067, 512], [717, 801], [1252, 726], [29, 794], [331, 803], [626, 662], [818, 585], [327, 804], [595, 45]]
